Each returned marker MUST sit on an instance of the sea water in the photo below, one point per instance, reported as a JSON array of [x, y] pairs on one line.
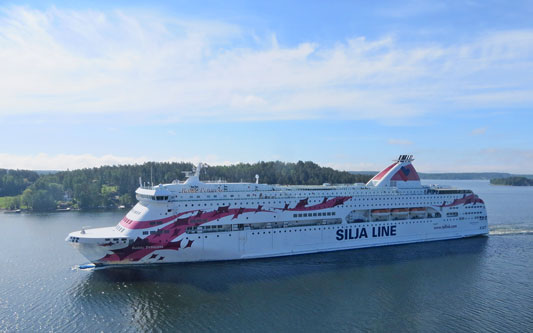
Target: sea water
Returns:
[[476, 284]]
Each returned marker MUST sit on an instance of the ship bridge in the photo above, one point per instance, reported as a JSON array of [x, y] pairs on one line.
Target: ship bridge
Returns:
[[156, 193]]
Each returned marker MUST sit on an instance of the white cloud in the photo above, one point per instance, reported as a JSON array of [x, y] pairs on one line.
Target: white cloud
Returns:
[[44, 161], [63, 161], [486, 160], [99, 62]]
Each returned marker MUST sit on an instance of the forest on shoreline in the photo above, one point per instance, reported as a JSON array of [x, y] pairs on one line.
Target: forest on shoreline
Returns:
[[114, 186], [512, 181]]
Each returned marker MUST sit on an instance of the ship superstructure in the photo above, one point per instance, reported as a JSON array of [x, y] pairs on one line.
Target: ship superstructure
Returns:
[[203, 221]]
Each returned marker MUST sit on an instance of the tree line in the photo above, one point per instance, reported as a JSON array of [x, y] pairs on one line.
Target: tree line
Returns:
[[13, 182], [111, 186], [513, 181]]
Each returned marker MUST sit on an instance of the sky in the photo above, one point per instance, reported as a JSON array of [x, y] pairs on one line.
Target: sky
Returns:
[[346, 84]]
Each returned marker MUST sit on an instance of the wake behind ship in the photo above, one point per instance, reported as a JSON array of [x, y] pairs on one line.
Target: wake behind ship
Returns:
[[202, 221]]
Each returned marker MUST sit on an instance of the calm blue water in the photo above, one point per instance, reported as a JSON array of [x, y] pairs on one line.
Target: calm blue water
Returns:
[[479, 284]]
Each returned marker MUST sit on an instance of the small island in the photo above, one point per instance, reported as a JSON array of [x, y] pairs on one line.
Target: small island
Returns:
[[512, 181]]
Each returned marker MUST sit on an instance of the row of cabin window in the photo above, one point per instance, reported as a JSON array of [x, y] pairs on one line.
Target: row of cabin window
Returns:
[[157, 232], [398, 218], [151, 197], [281, 202], [247, 203], [314, 214], [283, 196], [261, 226], [353, 199]]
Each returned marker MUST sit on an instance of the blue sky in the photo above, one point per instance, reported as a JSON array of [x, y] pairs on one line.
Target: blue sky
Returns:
[[347, 84]]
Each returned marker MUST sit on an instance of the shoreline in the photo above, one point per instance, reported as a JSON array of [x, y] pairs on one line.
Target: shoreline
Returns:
[[29, 211]]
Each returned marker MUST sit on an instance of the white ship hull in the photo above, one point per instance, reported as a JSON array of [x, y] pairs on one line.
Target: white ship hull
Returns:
[[245, 245], [210, 222], [248, 245]]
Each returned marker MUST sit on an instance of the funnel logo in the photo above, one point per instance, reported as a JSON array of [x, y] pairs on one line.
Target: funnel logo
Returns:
[[406, 173]]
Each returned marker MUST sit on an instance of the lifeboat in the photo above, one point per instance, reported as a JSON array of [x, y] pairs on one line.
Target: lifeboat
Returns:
[[399, 211], [417, 211], [380, 212]]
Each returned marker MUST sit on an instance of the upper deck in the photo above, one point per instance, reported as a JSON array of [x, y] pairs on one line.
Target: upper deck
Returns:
[[207, 191], [399, 178]]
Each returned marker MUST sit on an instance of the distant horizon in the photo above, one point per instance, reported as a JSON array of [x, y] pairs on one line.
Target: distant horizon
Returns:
[[351, 171], [347, 84]]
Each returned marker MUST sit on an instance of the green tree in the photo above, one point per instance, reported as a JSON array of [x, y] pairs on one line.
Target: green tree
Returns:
[[126, 200], [43, 201], [107, 194], [55, 191], [14, 203], [27, 198], [42, 195], [14, 182], [88, 195]]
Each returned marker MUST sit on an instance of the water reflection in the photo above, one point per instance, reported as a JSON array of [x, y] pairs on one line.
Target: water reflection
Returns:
[[357, 281]]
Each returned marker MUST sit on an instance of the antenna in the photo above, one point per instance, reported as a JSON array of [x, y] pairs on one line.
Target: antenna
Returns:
[[151, 176], [140, 182]]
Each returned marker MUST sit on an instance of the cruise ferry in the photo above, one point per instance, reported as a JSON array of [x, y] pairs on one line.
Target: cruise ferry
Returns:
[[207, 221]]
